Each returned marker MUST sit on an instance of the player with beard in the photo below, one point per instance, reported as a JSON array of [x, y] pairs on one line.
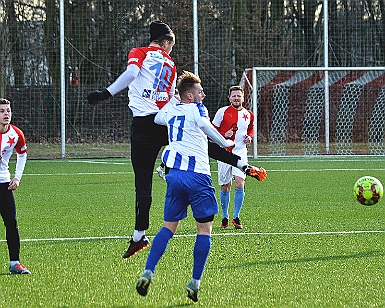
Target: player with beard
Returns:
[[234, 122]]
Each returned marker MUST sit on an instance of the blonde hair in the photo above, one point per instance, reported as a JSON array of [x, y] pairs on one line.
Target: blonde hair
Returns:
[[4, 101], [235, 88], [186, 81]]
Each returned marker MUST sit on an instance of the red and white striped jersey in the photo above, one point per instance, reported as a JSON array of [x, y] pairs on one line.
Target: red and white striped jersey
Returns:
[[13, 138], [155, 84], [240, 121]]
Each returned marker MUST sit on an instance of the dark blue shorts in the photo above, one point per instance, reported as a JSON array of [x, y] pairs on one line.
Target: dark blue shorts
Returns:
[[186, 188]]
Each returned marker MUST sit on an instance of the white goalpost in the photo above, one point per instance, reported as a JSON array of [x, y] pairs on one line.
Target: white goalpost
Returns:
[[316, 110]]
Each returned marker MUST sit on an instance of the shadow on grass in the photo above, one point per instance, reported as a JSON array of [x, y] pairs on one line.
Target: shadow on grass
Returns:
[[369, 254], [168, 306]]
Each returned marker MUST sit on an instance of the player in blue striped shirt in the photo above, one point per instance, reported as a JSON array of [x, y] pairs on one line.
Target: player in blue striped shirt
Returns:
[[188, 180]]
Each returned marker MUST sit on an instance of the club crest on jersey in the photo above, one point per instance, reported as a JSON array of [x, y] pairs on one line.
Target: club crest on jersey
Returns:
[[11, 141]]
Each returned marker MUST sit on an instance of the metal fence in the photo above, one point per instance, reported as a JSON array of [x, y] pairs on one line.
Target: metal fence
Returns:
[[232, 35]]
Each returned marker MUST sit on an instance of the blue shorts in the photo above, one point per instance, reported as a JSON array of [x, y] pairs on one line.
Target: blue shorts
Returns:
[[186, 188]]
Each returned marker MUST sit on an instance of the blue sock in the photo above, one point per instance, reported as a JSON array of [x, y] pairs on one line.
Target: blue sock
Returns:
[[158, 247], [225, 201], [238, 201], [201, 253]]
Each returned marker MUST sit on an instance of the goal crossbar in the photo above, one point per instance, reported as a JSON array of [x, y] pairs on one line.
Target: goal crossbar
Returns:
[[340, 68]]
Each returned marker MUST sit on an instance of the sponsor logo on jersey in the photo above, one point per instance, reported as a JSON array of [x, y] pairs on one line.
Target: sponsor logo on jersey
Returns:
[[158, 55], [154, 95], [159, 96]]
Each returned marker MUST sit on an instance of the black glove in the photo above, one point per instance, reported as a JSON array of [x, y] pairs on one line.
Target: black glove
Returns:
[[96, 96]]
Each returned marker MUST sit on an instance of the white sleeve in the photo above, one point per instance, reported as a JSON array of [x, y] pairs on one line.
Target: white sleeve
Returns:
[[212, 133], [21, 159], [173, 86], [218, 118], [160, 117], [124, 80]]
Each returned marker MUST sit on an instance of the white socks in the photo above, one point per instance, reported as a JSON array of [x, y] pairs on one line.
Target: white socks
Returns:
[[138, 235], [12, 263]]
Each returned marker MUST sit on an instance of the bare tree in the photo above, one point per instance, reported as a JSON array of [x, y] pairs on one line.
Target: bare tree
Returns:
[[15, 41], [3, 52], [52, 40]]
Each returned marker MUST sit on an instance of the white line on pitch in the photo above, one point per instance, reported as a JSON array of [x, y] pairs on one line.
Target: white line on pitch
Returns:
[[87, 238], [212, 171]]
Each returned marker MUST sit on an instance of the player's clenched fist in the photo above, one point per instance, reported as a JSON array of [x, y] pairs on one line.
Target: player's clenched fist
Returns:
[[96, 96]]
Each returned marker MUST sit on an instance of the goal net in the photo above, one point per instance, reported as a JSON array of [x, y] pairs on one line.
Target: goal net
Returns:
[[313, 111]]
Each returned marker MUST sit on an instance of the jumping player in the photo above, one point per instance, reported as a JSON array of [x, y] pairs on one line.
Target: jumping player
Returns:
[[151, 79]]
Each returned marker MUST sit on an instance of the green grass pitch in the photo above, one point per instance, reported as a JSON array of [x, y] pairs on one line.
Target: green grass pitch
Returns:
[[306, 242]]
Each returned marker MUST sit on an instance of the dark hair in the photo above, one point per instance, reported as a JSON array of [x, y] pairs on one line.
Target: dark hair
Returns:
[[166, 37]]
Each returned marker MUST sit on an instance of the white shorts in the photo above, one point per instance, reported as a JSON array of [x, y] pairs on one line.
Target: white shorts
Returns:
[[226, 172]]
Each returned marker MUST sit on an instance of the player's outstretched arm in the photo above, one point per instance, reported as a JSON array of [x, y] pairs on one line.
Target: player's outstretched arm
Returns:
[[210, 131], [124, 80], [121, 83], [221, 154]]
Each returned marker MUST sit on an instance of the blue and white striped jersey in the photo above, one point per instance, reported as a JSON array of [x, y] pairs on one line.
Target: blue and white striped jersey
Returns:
[[188, 126]]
